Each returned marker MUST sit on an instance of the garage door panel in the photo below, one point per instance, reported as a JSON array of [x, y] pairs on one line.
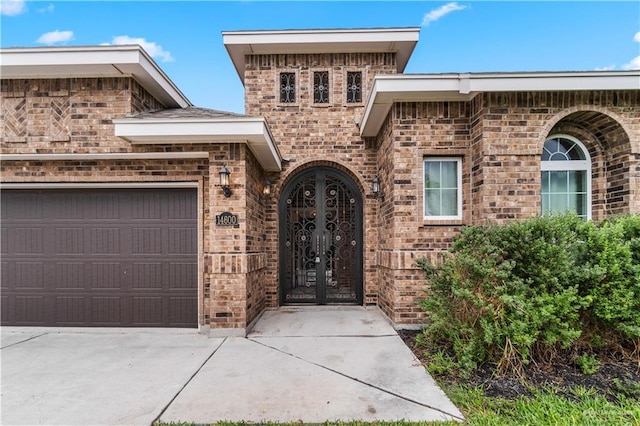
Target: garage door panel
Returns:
[[179, 207], [70, 276], [181, 240], [29, 310], [69, 241], [92, 258], [107, 275], [147, 276], [182, 310], [67, 207], [29, 275], [106, 311], [183, 275], [4, 243], [105, 206], [147, 241], [147, 207], [147, 310], [27, 240], [23, 207], [71, 311], [105, 241]]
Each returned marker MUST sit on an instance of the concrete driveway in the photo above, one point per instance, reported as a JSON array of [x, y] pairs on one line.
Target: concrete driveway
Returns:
[[310, 365]]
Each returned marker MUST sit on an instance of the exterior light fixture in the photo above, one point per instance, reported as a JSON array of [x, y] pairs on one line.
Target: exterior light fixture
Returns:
[[224, 181], [375, 188], [266, 188]]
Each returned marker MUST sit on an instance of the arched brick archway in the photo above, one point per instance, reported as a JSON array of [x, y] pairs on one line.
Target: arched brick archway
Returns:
[[614, 163]]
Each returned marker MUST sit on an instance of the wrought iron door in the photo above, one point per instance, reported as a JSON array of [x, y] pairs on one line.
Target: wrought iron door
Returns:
[[321, 239]]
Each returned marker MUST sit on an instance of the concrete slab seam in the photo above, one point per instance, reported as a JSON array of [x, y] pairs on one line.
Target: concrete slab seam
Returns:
[[187, 382], [24, 341], [363, 382]]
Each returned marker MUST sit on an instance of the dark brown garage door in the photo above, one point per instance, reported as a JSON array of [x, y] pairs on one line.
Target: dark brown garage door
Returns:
[[111, 258]]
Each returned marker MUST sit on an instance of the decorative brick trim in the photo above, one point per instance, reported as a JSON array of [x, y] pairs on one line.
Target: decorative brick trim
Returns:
[[236, 263]]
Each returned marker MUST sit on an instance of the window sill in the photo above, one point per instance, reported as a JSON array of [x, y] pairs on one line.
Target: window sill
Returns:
[[442, 222]]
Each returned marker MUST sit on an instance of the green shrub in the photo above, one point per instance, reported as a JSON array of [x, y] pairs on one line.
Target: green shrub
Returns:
[[614, 286], [505, 292]]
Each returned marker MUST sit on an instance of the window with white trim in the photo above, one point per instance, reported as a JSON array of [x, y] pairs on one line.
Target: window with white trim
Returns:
[[566, 177], [442, 188]]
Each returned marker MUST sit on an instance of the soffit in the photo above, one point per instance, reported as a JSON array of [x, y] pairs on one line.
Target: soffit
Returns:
[[376, 40]]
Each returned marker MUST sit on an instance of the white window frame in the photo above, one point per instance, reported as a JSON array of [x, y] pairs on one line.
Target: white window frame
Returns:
[[458, 161], [569, 165]]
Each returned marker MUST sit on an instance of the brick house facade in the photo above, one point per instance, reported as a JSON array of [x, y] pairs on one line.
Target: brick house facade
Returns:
[[101, 130]]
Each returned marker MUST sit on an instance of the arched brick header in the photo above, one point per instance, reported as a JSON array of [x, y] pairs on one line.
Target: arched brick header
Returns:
[[336, 164], [606, 136], [609, 128]]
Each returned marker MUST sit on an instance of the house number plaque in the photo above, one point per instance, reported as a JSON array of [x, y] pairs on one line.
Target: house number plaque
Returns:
[[227, 219]]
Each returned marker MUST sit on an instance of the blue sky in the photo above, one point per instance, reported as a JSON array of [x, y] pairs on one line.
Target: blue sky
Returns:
[[465, 36]]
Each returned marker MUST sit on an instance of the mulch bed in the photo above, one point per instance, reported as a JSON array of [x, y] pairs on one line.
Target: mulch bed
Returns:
[[615, 375]]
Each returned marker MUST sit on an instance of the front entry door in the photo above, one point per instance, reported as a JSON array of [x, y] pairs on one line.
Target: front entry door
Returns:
[[321, 239]]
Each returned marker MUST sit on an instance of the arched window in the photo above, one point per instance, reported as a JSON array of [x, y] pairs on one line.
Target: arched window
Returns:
[[566, 176]]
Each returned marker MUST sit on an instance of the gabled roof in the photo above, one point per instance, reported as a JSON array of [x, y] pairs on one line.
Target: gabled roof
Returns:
[[92, 61], [202, 125], [372, 40], [389, 89]]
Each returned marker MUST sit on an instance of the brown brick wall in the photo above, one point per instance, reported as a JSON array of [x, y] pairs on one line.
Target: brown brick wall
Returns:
[[316, 135], [499, 137]]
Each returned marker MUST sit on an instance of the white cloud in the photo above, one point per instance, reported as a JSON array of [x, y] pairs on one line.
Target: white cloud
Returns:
[[47, 9], [636, 37], [633, 65], [12, 7], [607, 68], [54, 37], [152, 48], [438, 13]]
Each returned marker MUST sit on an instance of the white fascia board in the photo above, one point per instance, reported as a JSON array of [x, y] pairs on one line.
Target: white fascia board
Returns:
[[105, 156], [92, 61], [389, 89], [538, 82], [375, 40], [250, 130]]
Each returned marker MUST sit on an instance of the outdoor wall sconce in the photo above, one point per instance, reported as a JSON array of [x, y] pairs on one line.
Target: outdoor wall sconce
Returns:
[[375, 188], [224, 181], [266, 189]]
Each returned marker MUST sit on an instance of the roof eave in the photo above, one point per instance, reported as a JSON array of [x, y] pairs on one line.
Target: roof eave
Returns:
[[253, 131], [377, 40], [92, 61], [390, 89]]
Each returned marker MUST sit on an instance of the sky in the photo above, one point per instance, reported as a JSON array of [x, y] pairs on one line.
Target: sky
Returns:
[[184, 37]]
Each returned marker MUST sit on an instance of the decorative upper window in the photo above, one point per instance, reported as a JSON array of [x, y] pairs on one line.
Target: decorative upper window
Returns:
[[321, 87], [566, 177], [287, 87], [442, 188], [354, 87]]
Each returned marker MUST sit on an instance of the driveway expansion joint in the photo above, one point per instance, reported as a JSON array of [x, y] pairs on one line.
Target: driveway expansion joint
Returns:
[[187, 382], [24, 341], [387, 391]]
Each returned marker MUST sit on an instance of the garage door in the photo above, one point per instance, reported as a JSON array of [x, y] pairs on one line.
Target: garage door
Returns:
[[111, 258]]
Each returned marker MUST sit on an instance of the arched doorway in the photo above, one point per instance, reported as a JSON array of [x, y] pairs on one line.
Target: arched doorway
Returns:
[[321, 242]]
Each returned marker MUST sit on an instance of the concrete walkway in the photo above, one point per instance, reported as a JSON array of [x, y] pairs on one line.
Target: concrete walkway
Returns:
[[298, 365]]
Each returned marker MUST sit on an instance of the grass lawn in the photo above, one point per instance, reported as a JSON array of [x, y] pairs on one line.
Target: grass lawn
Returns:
[[582, 407]]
